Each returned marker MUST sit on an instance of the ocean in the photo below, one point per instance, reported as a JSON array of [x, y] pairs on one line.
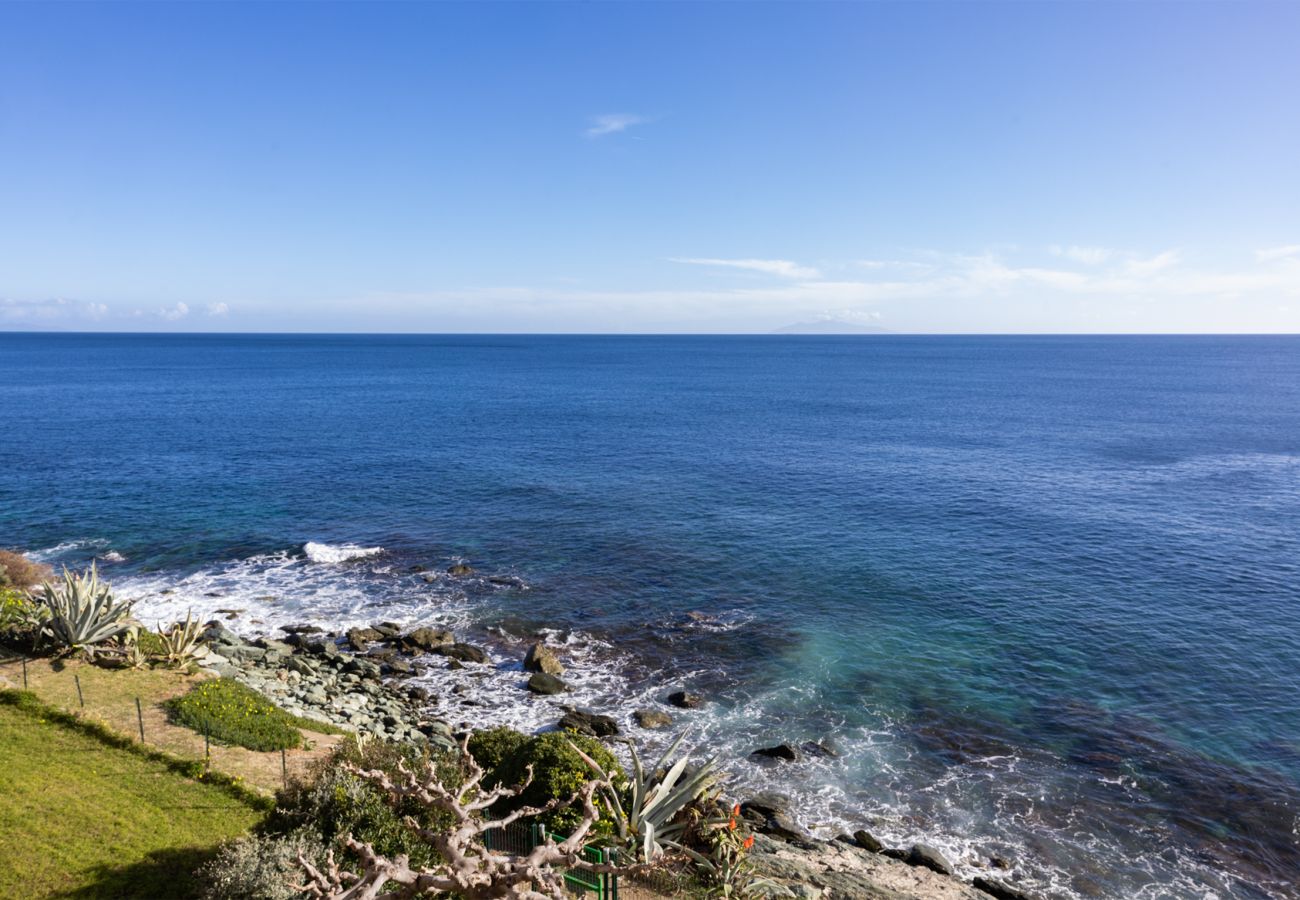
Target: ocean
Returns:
[[1041, 594]]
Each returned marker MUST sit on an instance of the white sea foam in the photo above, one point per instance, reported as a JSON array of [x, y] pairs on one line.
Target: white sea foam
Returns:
[[65, 549], [332, 553]]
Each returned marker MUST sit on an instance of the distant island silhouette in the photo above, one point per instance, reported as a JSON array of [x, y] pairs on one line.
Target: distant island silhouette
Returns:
[[831, 326]]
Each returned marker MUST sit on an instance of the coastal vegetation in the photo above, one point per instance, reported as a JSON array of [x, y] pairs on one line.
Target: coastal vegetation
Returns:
[[399, 801], [227, 711]]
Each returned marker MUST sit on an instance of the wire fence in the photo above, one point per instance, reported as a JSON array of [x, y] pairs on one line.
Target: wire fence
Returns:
[[130, 703]]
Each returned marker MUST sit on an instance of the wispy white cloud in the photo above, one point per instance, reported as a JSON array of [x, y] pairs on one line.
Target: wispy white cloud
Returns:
[[783, 267], [174, 313], [1154, 264], [218, 309], [50, 312], [613, 123], [1093, 256], [1275, 253]]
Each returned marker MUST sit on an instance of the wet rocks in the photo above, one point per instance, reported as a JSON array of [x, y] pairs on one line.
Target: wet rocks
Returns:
[[770, 814], [387, 630], [999, 889], [300, 629], [423, 640], [929, 857], [541, 658], [867, 841], [819, 750], [783, 752], [462, 653], [545, 683], [589, 723], [362, 638], [685, 700], [652, 718], [460, 570]]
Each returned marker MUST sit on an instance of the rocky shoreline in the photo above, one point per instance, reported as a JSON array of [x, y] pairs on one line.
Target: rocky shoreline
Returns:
[[359, 680]]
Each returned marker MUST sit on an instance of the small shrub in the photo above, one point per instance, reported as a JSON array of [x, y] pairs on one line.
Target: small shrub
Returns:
[[231, 713], [557, 773], [334, 802], [491, 747], [261, 867], [17, 610], [20, 573], [151, 643]]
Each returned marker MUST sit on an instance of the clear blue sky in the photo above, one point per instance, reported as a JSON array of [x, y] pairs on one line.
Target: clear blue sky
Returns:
[[661, 167]]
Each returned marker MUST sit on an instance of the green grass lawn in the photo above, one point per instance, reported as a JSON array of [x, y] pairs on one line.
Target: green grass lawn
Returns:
[[84, 817]]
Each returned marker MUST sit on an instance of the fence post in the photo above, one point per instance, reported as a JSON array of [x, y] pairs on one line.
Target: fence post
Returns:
[[24, 673], [80, 698], [284, 767], [139, 717], [207, 746]]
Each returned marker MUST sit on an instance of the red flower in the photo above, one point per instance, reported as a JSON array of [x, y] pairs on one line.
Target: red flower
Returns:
[[749, 842]]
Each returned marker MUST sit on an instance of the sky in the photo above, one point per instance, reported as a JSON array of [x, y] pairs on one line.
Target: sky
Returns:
[[666, 167]]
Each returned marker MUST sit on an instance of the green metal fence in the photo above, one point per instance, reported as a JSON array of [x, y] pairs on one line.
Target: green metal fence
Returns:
[[519, 839]]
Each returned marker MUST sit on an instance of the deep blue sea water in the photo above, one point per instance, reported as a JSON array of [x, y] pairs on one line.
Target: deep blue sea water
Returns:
[[1042, 593]]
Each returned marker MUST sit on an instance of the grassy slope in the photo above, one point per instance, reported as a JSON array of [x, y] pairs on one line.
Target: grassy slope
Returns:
[[80, 818]]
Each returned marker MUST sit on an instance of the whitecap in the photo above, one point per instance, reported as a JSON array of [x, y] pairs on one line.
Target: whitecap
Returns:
[[337, 553]]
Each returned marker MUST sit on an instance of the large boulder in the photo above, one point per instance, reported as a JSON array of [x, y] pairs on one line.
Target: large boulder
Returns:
[[387, 630], [999, 889], [588, 723], [929, 857], [424, 640], [867, 841], [544, 683], [362, 638], [460, 570], [542, 658], [770, 814], [462, 653]]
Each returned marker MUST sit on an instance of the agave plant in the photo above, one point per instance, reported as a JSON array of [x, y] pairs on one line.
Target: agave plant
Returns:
[[655, 799], [83, 611], [183, 641]]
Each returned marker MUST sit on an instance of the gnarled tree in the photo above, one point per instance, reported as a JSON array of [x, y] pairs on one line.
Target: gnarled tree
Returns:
[[469, 869]]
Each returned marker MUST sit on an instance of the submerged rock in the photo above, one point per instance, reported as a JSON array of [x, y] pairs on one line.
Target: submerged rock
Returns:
[[542, 658], [545, 683], [460, 570]]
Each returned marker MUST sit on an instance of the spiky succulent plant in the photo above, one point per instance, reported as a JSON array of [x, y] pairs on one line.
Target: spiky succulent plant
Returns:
[[655, 798], [83, 611], [183, 642]]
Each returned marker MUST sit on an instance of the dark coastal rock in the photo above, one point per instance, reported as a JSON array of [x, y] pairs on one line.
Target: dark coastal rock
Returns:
[[542, 658], [898, 853], [273, 646], [545, 683], [383, 654], [462, 652], [300, 629], [589, 723], [216, 633], [460, 570], [867, 841], [362, 638], [323, 647], [770, 814], [685, 700], [362, 668], [783, 752], [929, 857], [419, 694], [416, 569], [1000, 890], [387, 630], [505, 580], [652, 718], [423, 640], [398, 667]]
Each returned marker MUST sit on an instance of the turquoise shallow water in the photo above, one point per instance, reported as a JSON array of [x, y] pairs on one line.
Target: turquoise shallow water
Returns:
[[1043, 593]]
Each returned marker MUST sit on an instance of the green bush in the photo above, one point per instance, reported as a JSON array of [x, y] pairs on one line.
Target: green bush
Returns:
[[557, 772], [491, 747], [231, 713], [261, 867], [333, 802], [17, 610]]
